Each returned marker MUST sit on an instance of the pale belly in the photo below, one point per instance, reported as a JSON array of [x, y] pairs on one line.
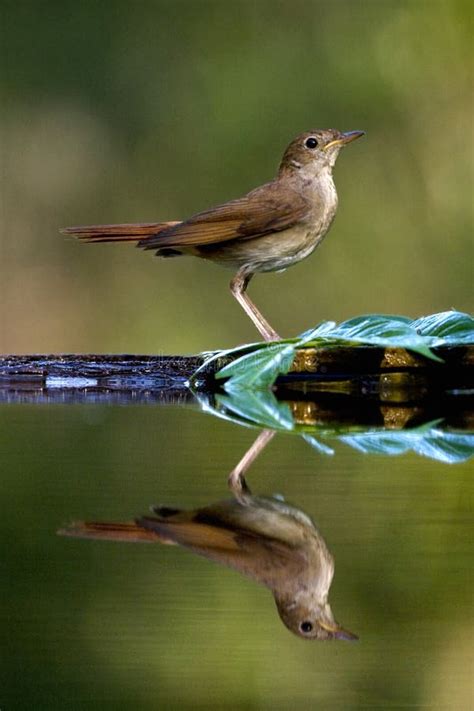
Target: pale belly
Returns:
[[269, 253]]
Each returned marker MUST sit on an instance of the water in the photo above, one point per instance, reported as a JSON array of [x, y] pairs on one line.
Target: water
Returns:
[[103, 625]]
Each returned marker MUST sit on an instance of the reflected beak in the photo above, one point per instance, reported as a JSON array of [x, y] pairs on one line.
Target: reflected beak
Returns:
[[338, 632], [345, 635], [344, 138]]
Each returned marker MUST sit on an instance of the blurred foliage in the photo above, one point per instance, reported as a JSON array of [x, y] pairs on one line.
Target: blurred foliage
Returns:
[[115, 112]]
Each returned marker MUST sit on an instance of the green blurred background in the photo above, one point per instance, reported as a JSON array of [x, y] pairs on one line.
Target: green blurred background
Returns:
[[121, 112]]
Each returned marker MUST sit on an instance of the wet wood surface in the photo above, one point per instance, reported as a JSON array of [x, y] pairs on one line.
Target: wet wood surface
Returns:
[[161, 368], [388, 374]]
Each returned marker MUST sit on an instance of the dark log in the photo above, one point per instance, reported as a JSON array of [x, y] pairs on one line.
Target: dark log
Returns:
[[390, 375]]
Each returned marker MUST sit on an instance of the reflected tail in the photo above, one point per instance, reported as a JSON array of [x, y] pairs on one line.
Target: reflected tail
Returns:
[[126, 532]]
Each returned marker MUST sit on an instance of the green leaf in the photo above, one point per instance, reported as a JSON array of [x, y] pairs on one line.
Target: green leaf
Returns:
[[217, 355], [445, 328], [317, 445], [448, 447], [380, 330], [452, 327], [259, 365], [259, 407], [260, 369], [322, 329]]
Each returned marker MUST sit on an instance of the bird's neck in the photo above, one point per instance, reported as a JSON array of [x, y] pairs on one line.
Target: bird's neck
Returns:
[[306, 177], [323, 184]]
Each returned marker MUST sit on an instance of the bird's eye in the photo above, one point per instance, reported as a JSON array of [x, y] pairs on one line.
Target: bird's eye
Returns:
[[311, 142], [306, 627]]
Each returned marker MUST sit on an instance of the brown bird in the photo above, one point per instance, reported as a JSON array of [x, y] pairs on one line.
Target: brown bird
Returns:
[[267, 230], [262, 537]]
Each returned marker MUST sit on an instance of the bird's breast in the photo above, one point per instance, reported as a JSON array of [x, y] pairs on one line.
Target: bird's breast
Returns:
[[278, 250], [282, 249]]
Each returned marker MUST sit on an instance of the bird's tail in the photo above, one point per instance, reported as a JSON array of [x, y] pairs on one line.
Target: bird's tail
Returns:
[[135, 232], [128, 532]]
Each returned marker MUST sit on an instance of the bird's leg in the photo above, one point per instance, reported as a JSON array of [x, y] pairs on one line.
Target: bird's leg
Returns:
[[236, 481], [238, 287]]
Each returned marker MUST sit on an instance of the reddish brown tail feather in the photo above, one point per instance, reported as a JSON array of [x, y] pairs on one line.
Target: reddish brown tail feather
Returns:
[[100, 530], [117, 233]]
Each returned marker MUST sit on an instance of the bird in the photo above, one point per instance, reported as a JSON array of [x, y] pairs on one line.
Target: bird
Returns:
[[263, 538], [267, 230]]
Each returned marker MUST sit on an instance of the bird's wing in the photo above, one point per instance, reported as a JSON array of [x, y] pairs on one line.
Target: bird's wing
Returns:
[[260, 557], [261, 212]]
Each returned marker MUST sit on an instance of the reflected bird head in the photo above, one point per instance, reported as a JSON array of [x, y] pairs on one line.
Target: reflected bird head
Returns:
[[311, 620]]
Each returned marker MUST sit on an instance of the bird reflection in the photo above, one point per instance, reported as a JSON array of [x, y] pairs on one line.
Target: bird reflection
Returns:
[[263, 538]]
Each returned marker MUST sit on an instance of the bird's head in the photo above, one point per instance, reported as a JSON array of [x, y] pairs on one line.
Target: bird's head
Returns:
[[311, 619], [313, 151]]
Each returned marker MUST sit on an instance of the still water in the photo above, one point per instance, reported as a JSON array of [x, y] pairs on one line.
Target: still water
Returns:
[[93, 624]]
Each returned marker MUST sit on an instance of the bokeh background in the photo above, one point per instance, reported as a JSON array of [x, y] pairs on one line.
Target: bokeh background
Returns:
[[121, 112]]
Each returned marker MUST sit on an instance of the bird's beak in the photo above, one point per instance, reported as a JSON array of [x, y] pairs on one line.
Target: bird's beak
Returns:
[[338, 632], [345, 635], [345, 138]]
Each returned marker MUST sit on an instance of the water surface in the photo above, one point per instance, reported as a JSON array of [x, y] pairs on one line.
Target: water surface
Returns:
[[93, 624]]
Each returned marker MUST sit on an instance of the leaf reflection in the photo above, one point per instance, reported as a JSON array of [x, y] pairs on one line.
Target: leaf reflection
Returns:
[[261, 408]]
